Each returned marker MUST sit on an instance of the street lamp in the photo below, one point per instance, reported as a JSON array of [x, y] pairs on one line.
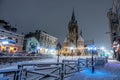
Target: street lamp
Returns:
[[102, 48], [92, 49], [58, 47]]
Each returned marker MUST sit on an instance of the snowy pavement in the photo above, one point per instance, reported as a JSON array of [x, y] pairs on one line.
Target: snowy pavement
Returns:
[[110, 71], [98, 75]]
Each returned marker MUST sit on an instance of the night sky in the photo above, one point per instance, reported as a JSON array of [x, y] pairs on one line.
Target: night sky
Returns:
[[53, 16]]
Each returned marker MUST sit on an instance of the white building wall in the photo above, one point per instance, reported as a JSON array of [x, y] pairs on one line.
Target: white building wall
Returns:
[[5, 34], [48, 41]]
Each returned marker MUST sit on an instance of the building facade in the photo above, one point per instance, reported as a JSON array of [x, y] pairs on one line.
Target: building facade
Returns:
[[73, 43], [114, 26], [45, 43], [10, 41]]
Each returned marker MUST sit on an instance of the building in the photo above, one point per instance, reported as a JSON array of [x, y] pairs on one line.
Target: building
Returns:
[[114, 26], [73, 43], [10, 41], [42, 41]]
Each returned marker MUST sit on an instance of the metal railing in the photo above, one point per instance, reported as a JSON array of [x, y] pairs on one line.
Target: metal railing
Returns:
[[69, 67], [6, 72], [58, 71], [42, 70]]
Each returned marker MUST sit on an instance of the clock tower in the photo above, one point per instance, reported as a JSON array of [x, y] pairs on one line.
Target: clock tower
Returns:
[[73, 43], [72, 30]]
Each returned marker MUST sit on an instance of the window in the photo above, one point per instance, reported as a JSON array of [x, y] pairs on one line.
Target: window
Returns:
[[16, 40], [9, 38]]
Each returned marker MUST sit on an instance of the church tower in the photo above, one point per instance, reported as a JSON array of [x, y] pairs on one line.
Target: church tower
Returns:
[[73, 43], [72, 30]]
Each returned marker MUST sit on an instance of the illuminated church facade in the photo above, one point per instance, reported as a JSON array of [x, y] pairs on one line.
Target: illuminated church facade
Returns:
[[74, 42]]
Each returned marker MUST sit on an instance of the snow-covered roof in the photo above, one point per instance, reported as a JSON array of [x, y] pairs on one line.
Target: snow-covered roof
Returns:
[[80, 38], [65, 40], [72, 44]]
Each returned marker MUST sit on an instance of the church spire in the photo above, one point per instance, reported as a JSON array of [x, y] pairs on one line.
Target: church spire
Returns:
[[73, 16], [73, 20]]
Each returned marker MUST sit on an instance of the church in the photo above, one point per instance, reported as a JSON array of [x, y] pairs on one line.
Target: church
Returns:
[[74, 43]]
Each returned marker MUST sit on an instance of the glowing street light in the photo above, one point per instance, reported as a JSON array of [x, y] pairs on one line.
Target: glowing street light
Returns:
[[102, 48], [92, 48]]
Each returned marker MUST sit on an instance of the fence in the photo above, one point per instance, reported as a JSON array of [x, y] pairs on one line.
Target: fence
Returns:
[[42, 70], [13, 72], [68, 67], [58, 71]]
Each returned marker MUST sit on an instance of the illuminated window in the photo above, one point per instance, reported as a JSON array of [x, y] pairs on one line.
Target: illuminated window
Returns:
[[5, 37], [13, 38]]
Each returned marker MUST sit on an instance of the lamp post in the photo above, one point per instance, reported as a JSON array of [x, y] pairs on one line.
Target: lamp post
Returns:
[[92, 49], [92, 63], [58, 55], [58, 47]]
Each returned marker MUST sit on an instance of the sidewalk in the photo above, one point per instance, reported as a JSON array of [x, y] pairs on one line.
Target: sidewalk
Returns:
[[110, 71]]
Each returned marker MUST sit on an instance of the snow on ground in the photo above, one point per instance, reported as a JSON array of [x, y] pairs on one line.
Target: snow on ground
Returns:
[[98, 75], [14, 65], [110, 71]]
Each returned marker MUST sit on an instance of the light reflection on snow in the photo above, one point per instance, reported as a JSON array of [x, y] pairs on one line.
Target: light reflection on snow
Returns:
[[96, 73]]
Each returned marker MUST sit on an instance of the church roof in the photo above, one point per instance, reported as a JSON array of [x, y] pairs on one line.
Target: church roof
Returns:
[[65, 40], [72, 45], [80, 38]]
